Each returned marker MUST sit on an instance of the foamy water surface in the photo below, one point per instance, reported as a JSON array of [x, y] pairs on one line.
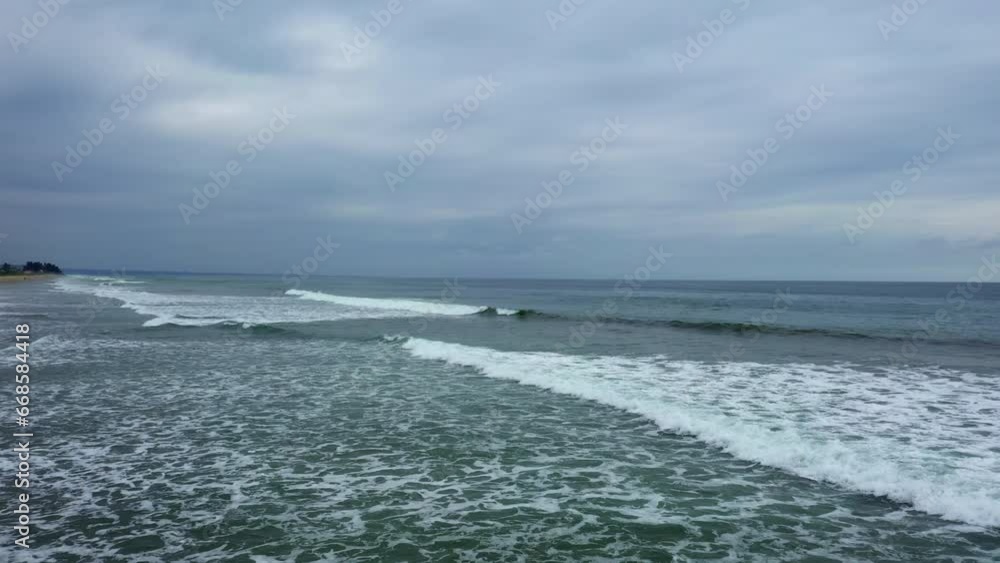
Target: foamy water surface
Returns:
[[166, 434]]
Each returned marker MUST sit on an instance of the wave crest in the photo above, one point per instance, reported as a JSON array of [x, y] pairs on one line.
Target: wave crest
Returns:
[[887, 435], [406, 307]]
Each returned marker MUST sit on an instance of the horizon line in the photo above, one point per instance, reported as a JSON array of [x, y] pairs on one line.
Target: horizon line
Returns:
[[71, 271]]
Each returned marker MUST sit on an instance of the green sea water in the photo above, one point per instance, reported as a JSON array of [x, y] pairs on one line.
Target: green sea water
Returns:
[[223, 418]]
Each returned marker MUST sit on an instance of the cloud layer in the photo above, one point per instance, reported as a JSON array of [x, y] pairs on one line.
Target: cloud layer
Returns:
[[394, 89]]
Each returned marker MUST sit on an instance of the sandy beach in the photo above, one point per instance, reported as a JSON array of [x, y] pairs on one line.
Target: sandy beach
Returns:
[[26, 277]]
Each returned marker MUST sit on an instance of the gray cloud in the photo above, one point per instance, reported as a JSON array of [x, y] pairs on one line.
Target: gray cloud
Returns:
[[655, 185]]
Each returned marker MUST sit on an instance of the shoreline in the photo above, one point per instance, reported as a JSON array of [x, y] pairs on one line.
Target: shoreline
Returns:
[[12, 278]]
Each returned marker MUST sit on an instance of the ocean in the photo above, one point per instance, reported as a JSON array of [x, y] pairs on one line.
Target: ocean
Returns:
[[234, 418]]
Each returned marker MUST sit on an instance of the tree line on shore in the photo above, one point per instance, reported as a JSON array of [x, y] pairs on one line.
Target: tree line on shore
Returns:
[[29, 268]]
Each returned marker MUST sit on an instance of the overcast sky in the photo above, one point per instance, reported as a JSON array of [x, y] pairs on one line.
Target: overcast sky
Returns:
[[198, 80]]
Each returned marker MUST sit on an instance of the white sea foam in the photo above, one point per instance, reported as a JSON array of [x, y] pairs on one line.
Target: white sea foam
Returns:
[[508, 478], [405, 307], [109, 280], [920, 438], [186, 310], [56, 349], [296, 307]]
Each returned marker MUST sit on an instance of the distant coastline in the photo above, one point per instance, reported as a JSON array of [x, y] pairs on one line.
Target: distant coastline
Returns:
[[29, 271]]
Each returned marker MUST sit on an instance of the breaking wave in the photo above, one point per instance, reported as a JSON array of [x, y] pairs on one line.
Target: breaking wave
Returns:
[[295, 306], [917, 437], [408, 307]]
